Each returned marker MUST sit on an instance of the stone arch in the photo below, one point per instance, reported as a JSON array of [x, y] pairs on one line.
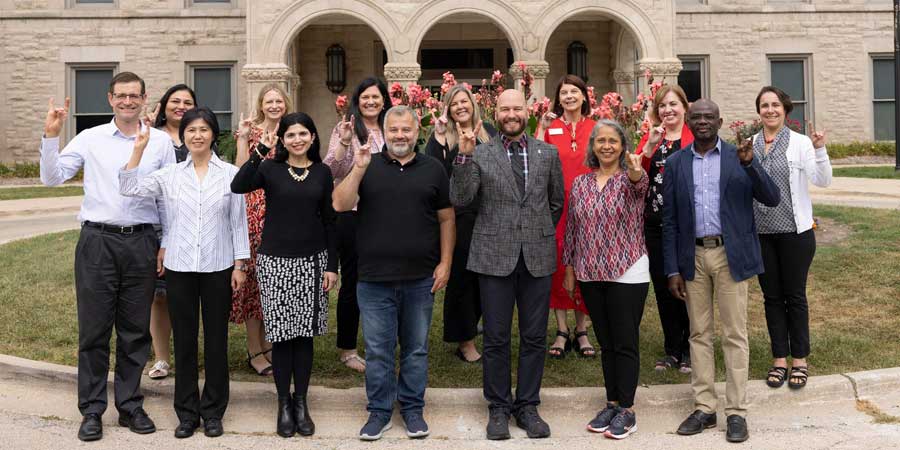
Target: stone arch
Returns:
[[301, 13], [501, 14], [629, 16]]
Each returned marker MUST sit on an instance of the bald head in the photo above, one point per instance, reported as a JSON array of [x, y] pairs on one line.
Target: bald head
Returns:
[[511, 113], [704, 121]]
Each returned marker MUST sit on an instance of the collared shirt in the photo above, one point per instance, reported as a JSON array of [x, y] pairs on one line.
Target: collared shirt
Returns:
[[707, 170], [207, 223], [102, 151], [523, 151]]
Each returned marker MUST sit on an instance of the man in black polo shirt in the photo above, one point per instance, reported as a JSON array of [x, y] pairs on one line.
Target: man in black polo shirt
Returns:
[[405, 244]]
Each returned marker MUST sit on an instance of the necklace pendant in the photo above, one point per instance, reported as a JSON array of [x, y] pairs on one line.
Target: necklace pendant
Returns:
[[298, 178]]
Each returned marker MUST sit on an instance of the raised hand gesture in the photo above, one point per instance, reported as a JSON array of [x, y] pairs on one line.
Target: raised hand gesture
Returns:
[[468, 139], [818, 137], [56, 117], [745, 151], [440, 124], [346, 128], [547, 119], [656, 134], [152, 114], [363, 155], [633, 164], [245, 126], [269, 138], [143, 136]]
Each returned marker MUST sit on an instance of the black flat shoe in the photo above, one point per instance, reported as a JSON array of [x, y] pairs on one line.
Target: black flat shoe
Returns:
[[213, 427], [137, 421], [737, 429], [696, 423], [185, 429], [462, 356], [91, 428]]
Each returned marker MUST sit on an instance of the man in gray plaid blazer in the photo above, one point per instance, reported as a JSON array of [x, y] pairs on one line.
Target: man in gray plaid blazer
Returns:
[[514, 252]]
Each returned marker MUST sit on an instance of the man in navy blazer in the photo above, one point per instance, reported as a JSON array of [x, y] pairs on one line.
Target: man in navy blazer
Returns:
[[710, 250]]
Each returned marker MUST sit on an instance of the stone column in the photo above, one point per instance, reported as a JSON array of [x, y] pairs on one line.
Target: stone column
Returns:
[[258, 75], [624, 84], [539, 70], [405, 73], [663, 70]]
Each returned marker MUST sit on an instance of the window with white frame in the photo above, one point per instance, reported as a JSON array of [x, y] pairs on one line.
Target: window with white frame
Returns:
[[693, 77], [792, 75], [883, 98], [88, 89], [215, 88]]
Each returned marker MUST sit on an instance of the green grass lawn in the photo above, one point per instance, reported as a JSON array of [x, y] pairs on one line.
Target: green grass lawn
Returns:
[[18, 193], [867, 172], [854, 287]]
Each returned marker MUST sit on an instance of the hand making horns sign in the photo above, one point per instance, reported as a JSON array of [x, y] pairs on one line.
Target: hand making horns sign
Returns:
[[346, 128], [468, 139], [818, 137], [56, 117], [270, 138], [745, 151], [633, 164], [363, 155], [245, 126]]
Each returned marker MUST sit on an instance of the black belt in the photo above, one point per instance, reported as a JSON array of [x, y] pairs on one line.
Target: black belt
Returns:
[[118, 229], [710, 241]]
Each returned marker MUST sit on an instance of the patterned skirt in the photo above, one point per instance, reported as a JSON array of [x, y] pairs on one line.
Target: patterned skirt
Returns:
[[293, 301]]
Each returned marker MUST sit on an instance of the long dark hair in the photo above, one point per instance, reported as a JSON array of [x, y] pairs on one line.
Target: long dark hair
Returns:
[[297, 118], [205, 114], [362, 134], [576, 81], [164, 100]]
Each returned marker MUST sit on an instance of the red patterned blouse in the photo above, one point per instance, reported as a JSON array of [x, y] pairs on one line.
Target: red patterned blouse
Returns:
[[605, 227]]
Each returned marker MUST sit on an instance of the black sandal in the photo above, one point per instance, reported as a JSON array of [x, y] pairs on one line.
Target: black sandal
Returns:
[[266, 371], [560, 351], [583, 350], [800, 373], [776, 376]]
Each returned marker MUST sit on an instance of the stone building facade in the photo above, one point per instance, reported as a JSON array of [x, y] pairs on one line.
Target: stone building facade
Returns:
[[830, 53]]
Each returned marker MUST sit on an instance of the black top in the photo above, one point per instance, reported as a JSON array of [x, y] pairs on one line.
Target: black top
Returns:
[[654, 203], [299, 219], [181, 152], [398, 237], [446, 156]]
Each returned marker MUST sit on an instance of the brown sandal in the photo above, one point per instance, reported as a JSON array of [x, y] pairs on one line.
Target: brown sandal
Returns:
[[776, 376], [799, 373]]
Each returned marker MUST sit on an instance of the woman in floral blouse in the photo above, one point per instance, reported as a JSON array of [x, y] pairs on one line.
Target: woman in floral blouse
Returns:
[[604, 250]]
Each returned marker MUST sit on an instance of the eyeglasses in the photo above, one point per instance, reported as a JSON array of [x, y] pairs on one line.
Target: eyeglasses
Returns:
[[132, 97]]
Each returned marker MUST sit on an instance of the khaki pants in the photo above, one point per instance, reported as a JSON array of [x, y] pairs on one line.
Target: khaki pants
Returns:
[[713, 284]]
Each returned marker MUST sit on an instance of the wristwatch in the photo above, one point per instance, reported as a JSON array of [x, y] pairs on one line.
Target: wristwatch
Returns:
[[241, 267]]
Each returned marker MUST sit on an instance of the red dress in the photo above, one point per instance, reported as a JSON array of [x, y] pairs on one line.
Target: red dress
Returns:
[[561, 135], [245, 301]]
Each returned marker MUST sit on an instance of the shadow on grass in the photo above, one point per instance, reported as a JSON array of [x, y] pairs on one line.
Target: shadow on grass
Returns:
[[853, 291]]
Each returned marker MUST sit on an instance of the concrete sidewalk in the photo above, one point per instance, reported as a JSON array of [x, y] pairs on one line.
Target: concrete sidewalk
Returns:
[[38, 405]]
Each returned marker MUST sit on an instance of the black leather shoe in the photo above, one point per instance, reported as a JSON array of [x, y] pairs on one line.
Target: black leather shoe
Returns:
[[528, 419], [212, 427], [91, 428], [498, 424], [737, 429], [305, 425], [138, 421], [185, 429], [696, 423], [285, 425]]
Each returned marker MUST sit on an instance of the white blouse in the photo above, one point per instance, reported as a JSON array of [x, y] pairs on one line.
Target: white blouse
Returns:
[[206, 224]]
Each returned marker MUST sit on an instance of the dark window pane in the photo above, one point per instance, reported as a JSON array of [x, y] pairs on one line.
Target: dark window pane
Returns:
[[224, 120], [788, 75], [690, 80], [84, 122], [883, 74], [213, 88], [457, 58], [884, 121], [91, 89]]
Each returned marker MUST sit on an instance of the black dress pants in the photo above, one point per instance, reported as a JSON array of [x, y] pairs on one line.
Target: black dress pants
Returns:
[[499, 296], [673, 316], [786, 258], [462, 301], [347, 308], [115, 275], [616, 310], [193, 295]]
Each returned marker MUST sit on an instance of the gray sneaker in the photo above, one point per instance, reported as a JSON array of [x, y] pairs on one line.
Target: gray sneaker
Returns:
[[622, 425], [604, 417], [415, 425], [375, 427]]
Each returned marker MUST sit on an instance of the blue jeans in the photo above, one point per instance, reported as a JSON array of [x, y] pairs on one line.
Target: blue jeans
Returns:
[[390, 310]]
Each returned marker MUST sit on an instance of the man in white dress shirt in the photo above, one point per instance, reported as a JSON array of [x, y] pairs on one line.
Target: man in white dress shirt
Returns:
[[115, 259]]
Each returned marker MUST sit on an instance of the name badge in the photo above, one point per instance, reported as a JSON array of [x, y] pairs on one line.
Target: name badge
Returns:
[[555, 131]]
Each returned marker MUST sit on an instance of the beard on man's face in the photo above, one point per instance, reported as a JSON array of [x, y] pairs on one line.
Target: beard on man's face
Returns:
[[399, 149], [512, 126]]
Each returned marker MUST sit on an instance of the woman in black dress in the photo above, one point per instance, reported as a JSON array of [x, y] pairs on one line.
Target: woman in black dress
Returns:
[[462, 303], [297, 263]]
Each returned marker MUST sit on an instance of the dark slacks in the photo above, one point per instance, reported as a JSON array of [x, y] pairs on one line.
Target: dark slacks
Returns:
[[462, 301], [787, 257], [193, 295], [292, 360], [499, 295], [115, 276], [616, 310], [347, 308], [673, 315]]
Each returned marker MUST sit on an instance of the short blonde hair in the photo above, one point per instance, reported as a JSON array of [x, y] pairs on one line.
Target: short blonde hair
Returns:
[[260, 115]]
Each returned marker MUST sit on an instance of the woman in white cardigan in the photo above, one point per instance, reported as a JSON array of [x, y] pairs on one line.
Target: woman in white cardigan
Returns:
[[786, 236]]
